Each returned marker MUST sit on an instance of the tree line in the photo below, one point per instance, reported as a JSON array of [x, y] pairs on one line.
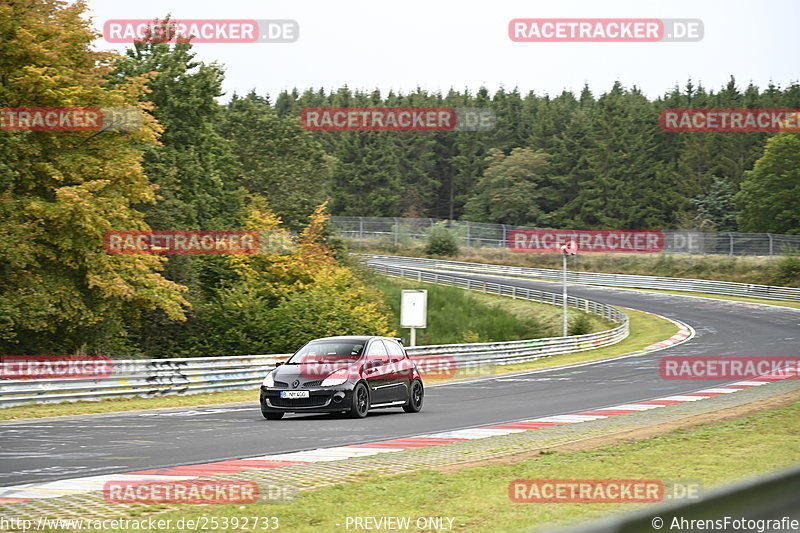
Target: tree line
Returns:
[[574, 161]]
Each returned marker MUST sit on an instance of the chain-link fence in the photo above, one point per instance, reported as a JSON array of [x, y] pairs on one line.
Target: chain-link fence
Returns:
[[400, 231]]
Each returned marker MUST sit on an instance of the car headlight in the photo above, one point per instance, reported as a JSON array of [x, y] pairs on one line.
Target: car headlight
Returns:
[[269, 381], [337, 378]]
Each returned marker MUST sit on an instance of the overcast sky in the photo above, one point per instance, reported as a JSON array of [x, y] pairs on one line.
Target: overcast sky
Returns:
[[439, 44]]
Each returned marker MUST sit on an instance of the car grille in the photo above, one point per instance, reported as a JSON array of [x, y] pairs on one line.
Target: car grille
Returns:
[[298, 402], [281, 384], [315, 383]]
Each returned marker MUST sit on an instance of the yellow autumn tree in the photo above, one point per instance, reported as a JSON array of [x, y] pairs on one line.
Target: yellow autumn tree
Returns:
[[61, 191], [284, 299]]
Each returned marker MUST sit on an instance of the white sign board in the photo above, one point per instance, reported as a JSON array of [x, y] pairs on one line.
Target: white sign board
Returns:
[[414, 309]]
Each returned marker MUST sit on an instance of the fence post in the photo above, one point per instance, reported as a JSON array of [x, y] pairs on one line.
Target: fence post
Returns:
[[396, 232], [361, 228], [770, 243], [730, 236], [468, 235]]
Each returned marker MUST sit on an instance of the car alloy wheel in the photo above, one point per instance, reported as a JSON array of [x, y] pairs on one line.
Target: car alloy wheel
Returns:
[[414, 404], [360, 402]]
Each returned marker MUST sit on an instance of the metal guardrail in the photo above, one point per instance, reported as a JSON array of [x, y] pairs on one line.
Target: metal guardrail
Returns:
[[158, 377], [772, 498], [143, 378], [728, 288], [502, 353], [399, 230]]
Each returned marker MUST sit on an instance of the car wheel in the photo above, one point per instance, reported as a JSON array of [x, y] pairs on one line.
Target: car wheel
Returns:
[[414, 404], [272, 416], [360, 406]]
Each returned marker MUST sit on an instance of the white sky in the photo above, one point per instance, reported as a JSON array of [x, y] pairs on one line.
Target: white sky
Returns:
[[438, 44]]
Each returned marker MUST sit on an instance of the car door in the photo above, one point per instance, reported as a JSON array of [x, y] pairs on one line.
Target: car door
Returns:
[[375, 372], [399, 371]]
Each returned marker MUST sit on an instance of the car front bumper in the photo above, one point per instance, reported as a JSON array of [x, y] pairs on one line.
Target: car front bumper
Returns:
[[320, 400]]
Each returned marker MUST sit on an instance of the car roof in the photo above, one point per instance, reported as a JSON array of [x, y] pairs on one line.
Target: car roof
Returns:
[[350, 338]]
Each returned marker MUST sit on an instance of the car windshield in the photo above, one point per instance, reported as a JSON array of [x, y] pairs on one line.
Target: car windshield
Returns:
[[327, 351]]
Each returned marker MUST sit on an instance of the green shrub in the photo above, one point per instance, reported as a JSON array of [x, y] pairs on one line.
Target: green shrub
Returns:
[[579, 324], [441, 241], [787, 270]]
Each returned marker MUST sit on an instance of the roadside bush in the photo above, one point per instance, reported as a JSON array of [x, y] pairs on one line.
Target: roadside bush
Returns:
[[787, 270], [441, 241], [579, 324], [337, 304]]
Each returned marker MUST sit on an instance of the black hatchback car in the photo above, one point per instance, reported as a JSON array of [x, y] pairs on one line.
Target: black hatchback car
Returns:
[[343, 374]]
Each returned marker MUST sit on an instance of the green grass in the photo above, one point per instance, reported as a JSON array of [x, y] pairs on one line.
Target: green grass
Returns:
[[477, 497], [457, 316], [645, 329]]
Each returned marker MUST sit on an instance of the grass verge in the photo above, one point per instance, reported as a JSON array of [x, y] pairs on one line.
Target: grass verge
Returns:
[[645, 329], [477, 497], [458, 316], [782, 270]]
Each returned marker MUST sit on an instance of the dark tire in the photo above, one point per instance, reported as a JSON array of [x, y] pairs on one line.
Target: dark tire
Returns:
[[360, 405], [414, 404], [272, 416]]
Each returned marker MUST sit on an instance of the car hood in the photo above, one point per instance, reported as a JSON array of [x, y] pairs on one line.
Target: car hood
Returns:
[[310, 372]]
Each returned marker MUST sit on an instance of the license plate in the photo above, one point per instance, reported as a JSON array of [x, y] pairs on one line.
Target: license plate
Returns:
[[292, 394]]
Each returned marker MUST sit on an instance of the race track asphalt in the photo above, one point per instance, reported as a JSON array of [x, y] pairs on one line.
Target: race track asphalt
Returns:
[[48, 450]]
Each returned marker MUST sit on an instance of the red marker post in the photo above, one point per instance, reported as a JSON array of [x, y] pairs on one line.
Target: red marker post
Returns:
[[567, 249]]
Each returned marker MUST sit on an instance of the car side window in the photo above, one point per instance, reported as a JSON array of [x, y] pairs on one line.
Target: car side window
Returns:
[[395, 350], [376, 353]]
